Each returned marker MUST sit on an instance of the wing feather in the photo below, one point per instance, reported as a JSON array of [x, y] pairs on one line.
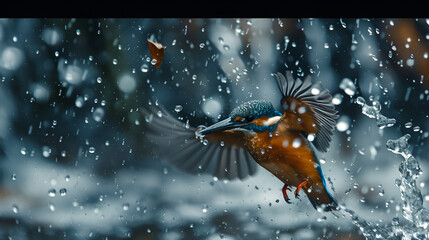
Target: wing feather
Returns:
[[321, 111], [178, 146]]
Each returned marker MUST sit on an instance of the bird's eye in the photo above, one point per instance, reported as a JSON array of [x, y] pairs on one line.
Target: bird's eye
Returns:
[[250, 118]]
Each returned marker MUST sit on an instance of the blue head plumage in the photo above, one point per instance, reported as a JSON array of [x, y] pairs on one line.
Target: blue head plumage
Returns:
[[249, 111]]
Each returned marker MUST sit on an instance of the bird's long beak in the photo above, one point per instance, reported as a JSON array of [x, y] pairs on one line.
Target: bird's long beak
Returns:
[[223, 125]]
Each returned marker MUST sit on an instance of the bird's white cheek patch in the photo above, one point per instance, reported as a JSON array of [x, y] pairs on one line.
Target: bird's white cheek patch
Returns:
[[272, 120]]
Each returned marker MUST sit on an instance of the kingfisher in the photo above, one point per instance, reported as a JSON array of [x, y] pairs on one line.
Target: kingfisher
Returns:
[[255, 133]]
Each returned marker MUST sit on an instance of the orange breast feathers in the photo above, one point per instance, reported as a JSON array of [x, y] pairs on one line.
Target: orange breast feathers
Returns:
[[286, 155]]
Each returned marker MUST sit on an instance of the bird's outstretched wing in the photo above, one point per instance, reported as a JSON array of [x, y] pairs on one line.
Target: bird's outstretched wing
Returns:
[[305, 110], [222, 155]]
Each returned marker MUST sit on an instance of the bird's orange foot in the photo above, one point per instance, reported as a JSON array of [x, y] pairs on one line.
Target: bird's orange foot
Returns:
[[285, 187], [301, 185]]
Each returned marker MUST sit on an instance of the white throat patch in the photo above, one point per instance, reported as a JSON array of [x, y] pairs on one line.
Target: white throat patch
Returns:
[[272, 120]]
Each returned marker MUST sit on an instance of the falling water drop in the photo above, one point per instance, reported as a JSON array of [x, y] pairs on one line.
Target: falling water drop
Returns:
[[348, 86], [52, 192], [15, 209], [98, 114], [144, 68], [63, 192], [51, 206], [178, 108], [91, 150], [296, 143]]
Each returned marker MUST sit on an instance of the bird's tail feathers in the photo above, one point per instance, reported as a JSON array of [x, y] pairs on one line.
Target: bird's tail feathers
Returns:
[[323, 201]]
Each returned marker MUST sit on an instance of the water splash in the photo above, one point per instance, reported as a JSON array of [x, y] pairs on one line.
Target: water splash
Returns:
[[412, 200], [374, 112]]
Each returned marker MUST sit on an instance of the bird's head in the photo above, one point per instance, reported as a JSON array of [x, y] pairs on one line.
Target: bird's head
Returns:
[[256, 115]]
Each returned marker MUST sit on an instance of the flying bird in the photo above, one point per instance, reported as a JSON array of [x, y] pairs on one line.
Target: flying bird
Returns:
[[283, 142]]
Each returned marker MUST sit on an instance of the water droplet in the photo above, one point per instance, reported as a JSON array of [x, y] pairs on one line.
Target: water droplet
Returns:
[[51, 206], [52, 192], [194, 77], [311, 137], [63, 192], [46, 151], [79, 102], [348, 86], [11, 58], [125, 206], [24, 151], [408, 125], [343, 123], [127, 83], [144, 68], [202, 45], [98, 114], [159, 113], [178, 108], [99, 80], [302, 110], [226, 48], [343, 24], [285, 143], [315, 91], [221, 41], [148, 118], [15, 209], [67, 178], [14, 176], [337, 99], [91, 150], [153, 61], [212, 108], [296, 143], [40, 92], [115, 61], [376, 105], [360, 100], [51, 36]]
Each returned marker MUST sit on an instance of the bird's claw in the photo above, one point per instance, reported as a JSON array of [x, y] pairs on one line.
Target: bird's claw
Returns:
[[301, 185], [285, 187]]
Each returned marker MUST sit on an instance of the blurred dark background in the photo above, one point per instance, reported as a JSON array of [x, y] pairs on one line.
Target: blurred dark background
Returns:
[[74, 162]]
